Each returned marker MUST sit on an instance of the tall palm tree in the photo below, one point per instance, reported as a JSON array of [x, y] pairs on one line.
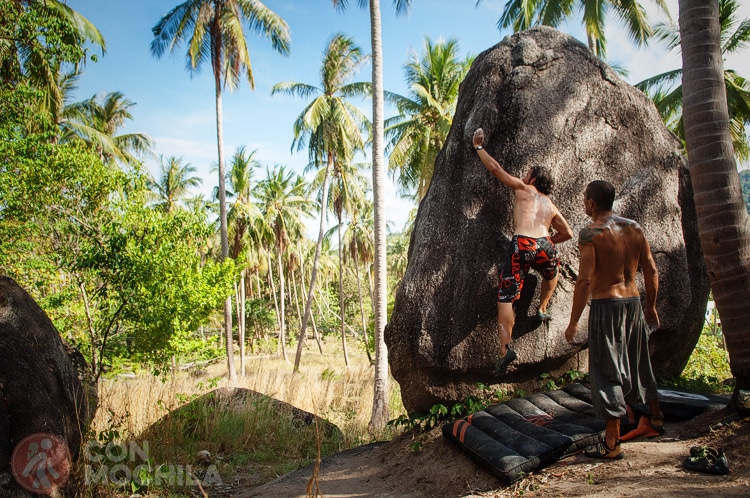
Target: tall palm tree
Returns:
[[242, 210], [418, 132], [96, 121], [174, 182], [723, 223], [240, 217], [281, 196], [331, 127], [523, 14], [666, 91], [398, 252], [213, 30], [347, 192], [36, 52], [380, 397], [359, 247]]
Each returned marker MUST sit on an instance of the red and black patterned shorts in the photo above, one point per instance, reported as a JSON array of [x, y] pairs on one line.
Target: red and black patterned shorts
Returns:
[[528, 252]]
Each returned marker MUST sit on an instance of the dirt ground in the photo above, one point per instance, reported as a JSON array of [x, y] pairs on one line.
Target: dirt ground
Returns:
[[651, 468]]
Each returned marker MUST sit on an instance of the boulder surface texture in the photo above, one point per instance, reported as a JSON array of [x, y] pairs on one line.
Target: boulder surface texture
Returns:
[[40, 385], [543, 99]]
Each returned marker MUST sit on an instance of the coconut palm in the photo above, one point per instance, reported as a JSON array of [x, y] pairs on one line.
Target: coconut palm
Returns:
[[523, 14], [347, 191], [330, 126], [359, 248], [282, 199], [174, 182], [239, 218], [380, 398], [666, 91], [213, 31], [242, 210], [96, 121], [723, 224], [35, 52], [398, 252], [418, 132]]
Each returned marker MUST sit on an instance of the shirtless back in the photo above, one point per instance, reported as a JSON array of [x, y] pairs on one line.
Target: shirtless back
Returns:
[[534, 213], [619, 247], [612, 248]]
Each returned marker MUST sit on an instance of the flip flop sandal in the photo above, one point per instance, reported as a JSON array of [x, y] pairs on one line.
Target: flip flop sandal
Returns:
[[698, 451], [707, 460]]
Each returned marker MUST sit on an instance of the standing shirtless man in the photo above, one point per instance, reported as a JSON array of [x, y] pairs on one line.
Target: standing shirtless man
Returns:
[[611, 250], [533, 215]]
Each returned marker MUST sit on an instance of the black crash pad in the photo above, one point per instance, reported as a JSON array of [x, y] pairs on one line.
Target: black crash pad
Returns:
[[524, 434]]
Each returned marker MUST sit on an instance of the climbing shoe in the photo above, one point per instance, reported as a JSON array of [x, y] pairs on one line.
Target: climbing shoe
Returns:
[[601, 451], [543, 317], [504, 361], [707, 460]]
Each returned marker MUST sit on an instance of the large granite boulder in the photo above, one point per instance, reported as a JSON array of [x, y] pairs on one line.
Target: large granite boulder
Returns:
[[43, 389], [542, 99]]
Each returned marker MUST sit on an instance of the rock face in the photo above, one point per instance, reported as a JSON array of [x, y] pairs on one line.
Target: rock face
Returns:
[[40, 388], [542, 99]]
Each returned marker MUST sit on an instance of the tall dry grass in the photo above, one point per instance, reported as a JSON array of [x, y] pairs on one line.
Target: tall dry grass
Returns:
[[324, 386]]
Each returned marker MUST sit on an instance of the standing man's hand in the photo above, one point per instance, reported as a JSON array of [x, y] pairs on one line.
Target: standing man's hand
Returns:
[[652, 318], [478, 138], [570, 333]]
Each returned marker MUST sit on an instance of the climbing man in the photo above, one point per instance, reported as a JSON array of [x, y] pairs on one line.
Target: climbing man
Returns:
[[532, 246]]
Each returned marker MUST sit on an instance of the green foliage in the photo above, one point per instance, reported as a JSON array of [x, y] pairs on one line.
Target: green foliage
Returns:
[[147, 265], [548, 383], [439, 413], [43, 41], [745, 185], [77, 235], [707, 369]]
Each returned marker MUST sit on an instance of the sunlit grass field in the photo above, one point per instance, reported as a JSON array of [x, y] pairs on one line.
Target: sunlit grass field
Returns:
[[133, 410]]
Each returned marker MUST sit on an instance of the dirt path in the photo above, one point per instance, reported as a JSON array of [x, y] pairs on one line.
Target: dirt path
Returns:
[[651, 468]]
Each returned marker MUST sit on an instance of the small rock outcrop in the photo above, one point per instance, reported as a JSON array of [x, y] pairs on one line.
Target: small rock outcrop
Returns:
[[542, 98], [43, 383]]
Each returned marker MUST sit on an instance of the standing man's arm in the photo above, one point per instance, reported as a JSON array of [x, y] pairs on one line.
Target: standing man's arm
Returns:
[[586, 268], [493, 166], [651, 282]]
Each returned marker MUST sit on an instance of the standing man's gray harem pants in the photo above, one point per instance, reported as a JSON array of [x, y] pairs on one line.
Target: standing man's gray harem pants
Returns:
[[619, 364]]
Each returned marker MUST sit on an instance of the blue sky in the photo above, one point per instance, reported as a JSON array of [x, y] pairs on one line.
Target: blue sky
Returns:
[[178, 112]]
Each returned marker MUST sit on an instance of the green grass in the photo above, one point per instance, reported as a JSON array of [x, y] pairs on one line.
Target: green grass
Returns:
[[707, 370]]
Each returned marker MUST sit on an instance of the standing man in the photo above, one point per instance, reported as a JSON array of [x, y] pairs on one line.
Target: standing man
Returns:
[[533, 215], [611, 250]]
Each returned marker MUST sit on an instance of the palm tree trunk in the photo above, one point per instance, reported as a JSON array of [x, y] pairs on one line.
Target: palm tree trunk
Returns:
[[296, 296], [380, 396], [304, 292], [241, 324], [341, 294], [223, 223], [273, 292], [282, 330], [361, 305], [723, 223], [314, 273]]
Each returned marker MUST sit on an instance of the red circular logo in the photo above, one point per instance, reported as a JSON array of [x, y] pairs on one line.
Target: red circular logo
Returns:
[[41, 463]]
